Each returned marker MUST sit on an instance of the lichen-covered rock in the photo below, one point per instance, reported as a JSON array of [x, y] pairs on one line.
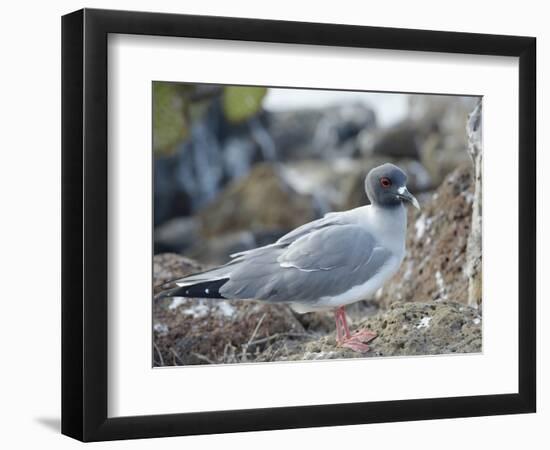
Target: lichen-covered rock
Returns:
[[409, 329], [260, 201], [426, 329], [437, 238]]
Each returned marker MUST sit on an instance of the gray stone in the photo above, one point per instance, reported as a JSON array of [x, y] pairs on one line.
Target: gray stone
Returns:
[[176, 234], [260, 201]]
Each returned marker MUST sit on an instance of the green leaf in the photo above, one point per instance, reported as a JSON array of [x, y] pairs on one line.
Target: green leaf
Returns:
[[242, 102]]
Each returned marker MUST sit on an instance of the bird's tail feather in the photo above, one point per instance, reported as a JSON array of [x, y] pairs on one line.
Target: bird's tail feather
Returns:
[[204, 289], [205, 284], [218, 273]]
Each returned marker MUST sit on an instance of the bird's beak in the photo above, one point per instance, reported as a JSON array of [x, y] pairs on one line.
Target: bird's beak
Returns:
[[404, 194]]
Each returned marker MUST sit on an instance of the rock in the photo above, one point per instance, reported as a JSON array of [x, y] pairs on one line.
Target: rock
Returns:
[[176, 234], [315, 133], [442, 120], [408, 329], [474, 256], [400, 141], [439, 159], [260, 201], [170, 200], [426, 329], [337, 131], [327, 182], [216, 250], [169, 266], [293, 132], [437, 237], [433, 133]]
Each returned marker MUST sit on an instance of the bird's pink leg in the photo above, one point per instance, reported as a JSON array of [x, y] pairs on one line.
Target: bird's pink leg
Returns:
[[357, 342], [339, 324]]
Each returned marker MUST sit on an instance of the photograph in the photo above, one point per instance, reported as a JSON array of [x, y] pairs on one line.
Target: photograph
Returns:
[[299, 224]]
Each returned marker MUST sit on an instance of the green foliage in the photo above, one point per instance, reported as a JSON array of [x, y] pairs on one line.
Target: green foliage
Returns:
[[242, 102], [176, 106], [169, 118]]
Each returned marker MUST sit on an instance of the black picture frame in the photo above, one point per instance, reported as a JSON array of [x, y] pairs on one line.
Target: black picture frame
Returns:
[[84, 224]]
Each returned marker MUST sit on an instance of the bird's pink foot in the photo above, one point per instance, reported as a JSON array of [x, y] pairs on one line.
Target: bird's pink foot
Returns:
[[358, 341], [364, 336], [355, 345]]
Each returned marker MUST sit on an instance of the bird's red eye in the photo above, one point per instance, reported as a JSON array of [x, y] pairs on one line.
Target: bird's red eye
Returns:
[[385, 182]]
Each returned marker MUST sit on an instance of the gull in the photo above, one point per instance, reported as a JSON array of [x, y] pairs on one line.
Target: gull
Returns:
[[326, 264]]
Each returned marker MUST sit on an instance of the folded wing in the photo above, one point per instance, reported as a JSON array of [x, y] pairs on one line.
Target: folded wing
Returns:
[[322, 261]]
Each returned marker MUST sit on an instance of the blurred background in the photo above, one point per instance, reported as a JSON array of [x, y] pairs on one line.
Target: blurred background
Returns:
[[236, 167]]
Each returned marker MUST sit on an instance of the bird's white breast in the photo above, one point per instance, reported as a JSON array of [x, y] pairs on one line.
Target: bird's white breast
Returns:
[[389, 225]]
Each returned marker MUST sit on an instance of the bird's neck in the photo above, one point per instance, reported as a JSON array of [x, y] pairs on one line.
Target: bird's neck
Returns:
[[394, 212], [390, 222]]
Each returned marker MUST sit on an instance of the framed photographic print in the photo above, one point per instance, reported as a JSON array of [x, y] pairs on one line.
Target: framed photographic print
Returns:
[[273, 224]]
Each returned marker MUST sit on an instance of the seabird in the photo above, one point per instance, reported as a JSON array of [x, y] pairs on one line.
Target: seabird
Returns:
[[329, 263]]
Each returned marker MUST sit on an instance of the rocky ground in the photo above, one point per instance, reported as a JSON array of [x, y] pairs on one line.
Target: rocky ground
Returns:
[[408, 329]]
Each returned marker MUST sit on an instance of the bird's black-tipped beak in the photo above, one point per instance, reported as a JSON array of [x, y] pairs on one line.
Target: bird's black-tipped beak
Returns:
[[404, 194]]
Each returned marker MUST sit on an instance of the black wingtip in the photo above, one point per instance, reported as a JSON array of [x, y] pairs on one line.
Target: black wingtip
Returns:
[[206, 289]]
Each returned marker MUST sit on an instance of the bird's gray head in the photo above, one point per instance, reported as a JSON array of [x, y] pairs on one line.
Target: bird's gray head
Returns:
[[386, 185]]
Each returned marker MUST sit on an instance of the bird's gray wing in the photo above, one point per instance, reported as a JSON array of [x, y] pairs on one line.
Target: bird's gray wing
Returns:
[[325, 262], [326, 221], [263, 254]]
